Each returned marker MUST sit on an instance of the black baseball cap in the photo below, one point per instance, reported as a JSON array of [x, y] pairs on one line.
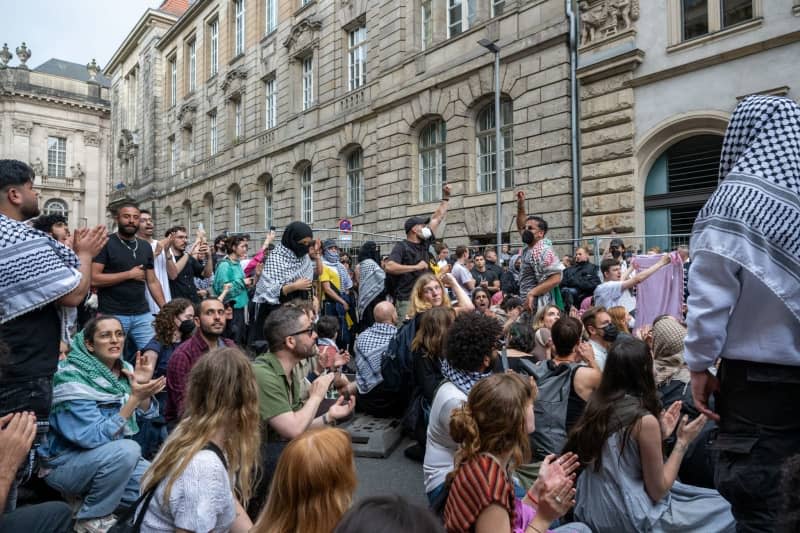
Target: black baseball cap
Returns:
[[413, 221]]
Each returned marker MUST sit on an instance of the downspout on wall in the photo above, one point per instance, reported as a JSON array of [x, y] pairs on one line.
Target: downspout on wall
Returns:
[[575, 106]]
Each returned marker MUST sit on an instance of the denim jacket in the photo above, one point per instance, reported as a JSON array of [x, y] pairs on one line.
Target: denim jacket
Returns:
[[86, 425]]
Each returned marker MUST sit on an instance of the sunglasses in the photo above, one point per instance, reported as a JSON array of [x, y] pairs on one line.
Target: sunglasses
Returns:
[[309, 331]]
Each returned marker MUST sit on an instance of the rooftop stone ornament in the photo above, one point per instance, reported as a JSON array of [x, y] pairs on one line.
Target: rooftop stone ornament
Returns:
[[24, 54], [93, 68], [5, 56]]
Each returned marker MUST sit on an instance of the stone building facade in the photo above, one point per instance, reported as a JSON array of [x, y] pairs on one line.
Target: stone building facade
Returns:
[[278, 110], [56, 118]]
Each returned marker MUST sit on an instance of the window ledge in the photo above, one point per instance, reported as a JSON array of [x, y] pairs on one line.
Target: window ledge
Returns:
[[267, 36], [303, 8], [236, 58], [212, 78], [698, 41]]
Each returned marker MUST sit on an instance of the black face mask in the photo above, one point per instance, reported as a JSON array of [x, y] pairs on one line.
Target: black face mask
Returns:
[[615, 252], [300, 249], [527, 237], [610, 333], [186, 328]]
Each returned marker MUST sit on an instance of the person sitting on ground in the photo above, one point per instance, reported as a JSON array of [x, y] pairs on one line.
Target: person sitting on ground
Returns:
[[612, 291], [97, 399], [546, 317], [509, 310], [481, 492], [619, 441], [519, 345], [622, 319], [482, 300], [580, 280], [371, 348], [388, 514], [566, 382], [313, 486], [284, 414], [327, 328], [471, 350], [601, 331], [371, 281], [204, 474]]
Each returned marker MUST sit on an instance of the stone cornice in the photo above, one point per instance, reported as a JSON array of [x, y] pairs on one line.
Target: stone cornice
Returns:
[[624, 62], [307, 24], [103, 107]]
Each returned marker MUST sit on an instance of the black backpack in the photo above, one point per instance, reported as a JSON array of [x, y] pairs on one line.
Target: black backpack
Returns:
[[550, 409], [397, 366]]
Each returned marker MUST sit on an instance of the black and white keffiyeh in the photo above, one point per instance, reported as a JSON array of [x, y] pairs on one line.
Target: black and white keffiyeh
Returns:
[[371, 346], [281, 267], [35, 269], [462, 379], [371, 283], [753, 218]]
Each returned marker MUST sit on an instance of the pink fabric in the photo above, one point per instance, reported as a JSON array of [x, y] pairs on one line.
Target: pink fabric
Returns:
[[661, 293], [251, 266], [586, 304], [523, 515], [497, 298]]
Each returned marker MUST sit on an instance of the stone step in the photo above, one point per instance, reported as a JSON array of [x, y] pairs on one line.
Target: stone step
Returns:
[[372, 436]]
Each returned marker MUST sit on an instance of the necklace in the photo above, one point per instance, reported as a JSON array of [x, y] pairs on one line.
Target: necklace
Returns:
[[128, 246]]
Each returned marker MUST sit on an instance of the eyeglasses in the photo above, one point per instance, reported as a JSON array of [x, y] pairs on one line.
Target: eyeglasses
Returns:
[[309, 331]]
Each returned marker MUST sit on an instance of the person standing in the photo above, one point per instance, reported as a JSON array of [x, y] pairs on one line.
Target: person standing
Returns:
[[744, 307], [183, 267], [484, 276], [460, 272], [229, 270], [540, 271], [145, 232], [122, 272]]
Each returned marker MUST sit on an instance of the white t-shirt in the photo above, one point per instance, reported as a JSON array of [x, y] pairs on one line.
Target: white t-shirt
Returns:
[[610, 294], [441, 448], [160, 268], [462, 275], [600, 354]]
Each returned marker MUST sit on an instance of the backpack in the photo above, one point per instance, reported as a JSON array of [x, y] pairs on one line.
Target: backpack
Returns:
[[397, 366], [550, 409]]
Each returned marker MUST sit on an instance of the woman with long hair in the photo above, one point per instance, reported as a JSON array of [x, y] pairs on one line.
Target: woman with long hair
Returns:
[[204, 474], [313, 484], [620, 318], [431, 291], [370, 279], [481, 496], [229, 270], [619, 441], [546, 317]]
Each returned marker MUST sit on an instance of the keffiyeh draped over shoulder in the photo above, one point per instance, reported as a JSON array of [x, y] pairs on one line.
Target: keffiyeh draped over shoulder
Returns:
[[753, 218], [35, 269], [281, 267]]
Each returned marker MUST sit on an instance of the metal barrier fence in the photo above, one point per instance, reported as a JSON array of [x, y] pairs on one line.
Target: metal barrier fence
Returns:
[[347, 242]]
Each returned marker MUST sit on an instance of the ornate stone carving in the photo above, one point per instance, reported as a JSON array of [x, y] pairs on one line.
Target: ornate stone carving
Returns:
[[302, 34], [38, 167], [128, 147], [77, 171], [93, 68], [602, 19], [234, 80], [186, 113], [91, 138], [5, 56], [24, 54], [22, 128]]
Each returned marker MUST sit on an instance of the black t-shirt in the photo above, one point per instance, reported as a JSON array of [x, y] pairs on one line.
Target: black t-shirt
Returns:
[[32, 341], [407, 253], [489, 275], [183, 286], [118, 255]]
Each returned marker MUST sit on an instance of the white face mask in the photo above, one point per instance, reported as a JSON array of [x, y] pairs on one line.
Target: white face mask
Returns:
[[426, 233]]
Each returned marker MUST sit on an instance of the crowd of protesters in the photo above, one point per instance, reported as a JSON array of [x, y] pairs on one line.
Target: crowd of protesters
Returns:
[[178, 384]]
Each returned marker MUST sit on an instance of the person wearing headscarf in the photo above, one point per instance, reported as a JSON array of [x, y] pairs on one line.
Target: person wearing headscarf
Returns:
[[744, 307], [288, 273], [509, 281], [336, 301], [370, 279]]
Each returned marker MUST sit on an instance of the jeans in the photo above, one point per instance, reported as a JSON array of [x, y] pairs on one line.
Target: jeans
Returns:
[[104, 477], [138, 327], [49, 517]]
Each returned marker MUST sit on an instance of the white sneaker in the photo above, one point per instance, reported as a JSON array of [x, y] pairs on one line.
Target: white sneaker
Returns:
[[95, 525]]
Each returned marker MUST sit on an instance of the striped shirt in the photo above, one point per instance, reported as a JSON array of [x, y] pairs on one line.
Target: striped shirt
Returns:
[[478, 484]]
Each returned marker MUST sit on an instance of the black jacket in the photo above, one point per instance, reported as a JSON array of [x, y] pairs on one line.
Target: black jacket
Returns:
[[583, 277]]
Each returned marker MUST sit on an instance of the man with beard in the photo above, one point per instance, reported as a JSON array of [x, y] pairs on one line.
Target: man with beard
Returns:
[[145, 232], [183, 267], [292, 339], [122, 272], [484, 276], [410, 258], [209, 320], [38, 276], [580, 280]]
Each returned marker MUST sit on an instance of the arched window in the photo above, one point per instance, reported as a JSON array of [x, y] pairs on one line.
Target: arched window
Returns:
[[208, 207], [306, 196], [355, 182], [678, 185], [268, 213], [168, 216], [187, 215], [56, 207], [432, 161], [235, 195], [485, 138]]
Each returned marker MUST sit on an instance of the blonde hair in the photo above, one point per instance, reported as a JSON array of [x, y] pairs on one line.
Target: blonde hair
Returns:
[[538, 320], [221, 396], [418, 302], [313, 484], [618, 316]]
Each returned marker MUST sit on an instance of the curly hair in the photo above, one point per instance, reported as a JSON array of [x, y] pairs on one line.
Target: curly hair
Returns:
[[471, 338], [165, 320], [520, 337]]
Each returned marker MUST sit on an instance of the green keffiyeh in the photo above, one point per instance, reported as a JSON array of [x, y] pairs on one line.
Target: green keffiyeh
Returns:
[[82, 376]]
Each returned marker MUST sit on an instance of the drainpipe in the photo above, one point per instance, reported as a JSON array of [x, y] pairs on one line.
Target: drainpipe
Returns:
[[575, 103]]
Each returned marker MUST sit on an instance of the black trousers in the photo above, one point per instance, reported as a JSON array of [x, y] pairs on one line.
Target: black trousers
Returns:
[[759, 429]]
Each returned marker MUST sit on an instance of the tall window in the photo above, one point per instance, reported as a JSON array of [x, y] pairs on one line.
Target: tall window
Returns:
[[308, 82], [355, 183], [212, 132], [56, 156], [238, 129], [487, 172], [271, 8], [238, 15], [497, 7], [213, 55], [208, 207], [699, 17], [306, 196], [304, 2], [268, 217], [173, 156], [192, 65], [131, 111], [188, 144], [271, 104], [357, 57], [426, 23], [56, 207], [173, 81], [460, 16], [237, 209], [432, 161]]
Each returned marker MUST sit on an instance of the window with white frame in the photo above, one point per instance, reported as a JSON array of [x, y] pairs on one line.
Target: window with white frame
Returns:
[[56, 157], [306, 196], [213, 52], [271, 12], [497, 7], [192, 73], [173, 156], [56, 207], [212, 133], [701, 17], [238, 16], [426, 23], [485, 133], [460, 16], [432, 161], [271, 104], [268, 214], [237, 209], [355, 182], [357, 56], [173, 81], [238, 129], [308, 82]]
